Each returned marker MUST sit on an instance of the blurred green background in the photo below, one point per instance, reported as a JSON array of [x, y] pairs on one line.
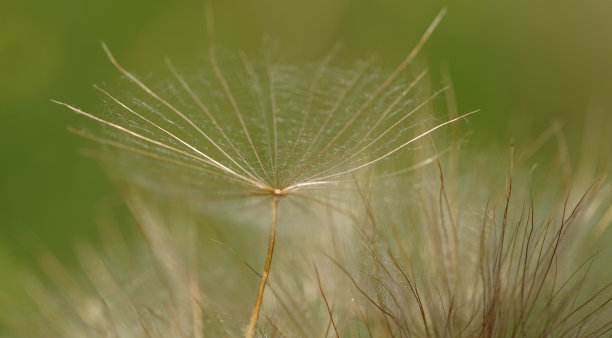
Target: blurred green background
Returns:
[[523, 63]]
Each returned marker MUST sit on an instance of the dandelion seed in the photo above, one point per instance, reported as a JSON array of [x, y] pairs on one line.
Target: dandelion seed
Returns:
[[330, 143], [433, 262]]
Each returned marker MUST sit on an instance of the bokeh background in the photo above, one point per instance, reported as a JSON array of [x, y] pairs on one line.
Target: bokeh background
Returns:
[[523, 63]]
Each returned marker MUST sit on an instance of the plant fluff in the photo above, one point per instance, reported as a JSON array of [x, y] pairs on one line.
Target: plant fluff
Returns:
[[380, 233]]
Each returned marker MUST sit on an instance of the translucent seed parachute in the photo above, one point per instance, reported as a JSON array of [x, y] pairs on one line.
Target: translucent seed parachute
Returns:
[[297, 128], [365, 250]]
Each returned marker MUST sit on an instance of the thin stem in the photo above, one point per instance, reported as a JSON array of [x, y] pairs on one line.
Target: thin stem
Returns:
[[394, 150], [203, 158], [380, 89], [197, 100], [232, 100], [264, 276], [354, 152], [329, 310], [274, 109]]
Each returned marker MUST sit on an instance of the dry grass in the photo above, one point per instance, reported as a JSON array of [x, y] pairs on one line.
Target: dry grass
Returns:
[[380, 234]]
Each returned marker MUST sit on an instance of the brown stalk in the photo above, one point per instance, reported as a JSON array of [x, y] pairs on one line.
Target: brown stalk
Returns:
[[264, 276]]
